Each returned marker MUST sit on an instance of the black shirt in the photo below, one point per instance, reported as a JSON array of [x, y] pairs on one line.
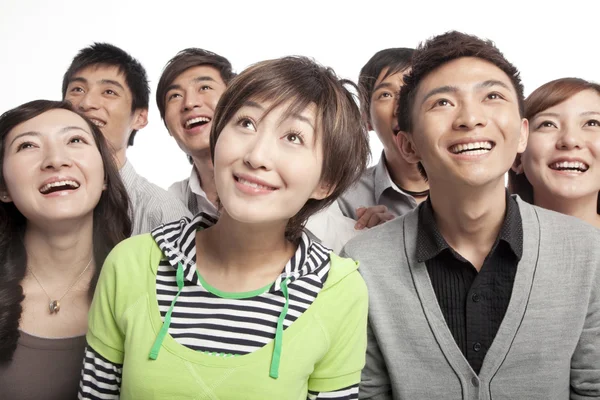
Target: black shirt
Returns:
[[473, 303]]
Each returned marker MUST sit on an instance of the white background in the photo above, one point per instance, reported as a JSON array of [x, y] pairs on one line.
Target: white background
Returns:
[[38, 39]]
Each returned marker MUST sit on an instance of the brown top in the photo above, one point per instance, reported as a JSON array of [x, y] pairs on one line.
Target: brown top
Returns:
[[43, 368]]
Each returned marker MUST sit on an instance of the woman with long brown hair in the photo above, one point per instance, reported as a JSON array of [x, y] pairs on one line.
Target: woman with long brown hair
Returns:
[[63, 207], [560, 169]]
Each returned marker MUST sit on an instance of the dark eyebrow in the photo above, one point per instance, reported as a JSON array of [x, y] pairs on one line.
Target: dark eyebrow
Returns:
[[72, 128], [382, 85], [112, 82], [102, 81], [78, 79], [204, 78], [490, 83], [61, 132], [30, 133], [195, 80], [546, 114], [454, 89], [297, 116], [583, 114], [438, 90]]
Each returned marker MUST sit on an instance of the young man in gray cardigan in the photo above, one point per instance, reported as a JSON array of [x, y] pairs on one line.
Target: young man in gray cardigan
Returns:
[[476, 294]]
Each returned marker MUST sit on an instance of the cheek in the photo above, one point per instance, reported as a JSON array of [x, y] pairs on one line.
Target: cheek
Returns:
[[14, 174], [594, 147], [538, 149], [93, 168], [171, 119], [224, 150]]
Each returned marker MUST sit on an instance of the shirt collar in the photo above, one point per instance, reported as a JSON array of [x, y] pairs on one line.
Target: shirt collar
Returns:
[[430, 241], [383, 180], [195, 184], [127, 173], [177, 240]]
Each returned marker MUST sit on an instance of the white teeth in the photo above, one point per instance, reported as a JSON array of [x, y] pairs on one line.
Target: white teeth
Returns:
[[97, 123], [196, 120], [571, 165], [253, 184], [48, 186], [481, 148]]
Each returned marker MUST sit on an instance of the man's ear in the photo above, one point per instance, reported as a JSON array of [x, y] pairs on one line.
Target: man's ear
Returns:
[[517, 165], [407, 148], [367, 121], [140, 119], [523, 135]]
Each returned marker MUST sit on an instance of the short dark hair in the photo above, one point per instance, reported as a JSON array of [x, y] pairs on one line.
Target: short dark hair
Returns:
[[546, 96], [110, 55], [112, 223], [184, 60], [338, 121], [394, 59], [442, 49]]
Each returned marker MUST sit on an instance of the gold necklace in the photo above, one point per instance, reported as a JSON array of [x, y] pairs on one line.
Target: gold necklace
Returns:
[[54, 305]]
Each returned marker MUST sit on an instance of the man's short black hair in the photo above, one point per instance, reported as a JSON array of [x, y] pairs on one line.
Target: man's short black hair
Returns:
[[395, 60], [109, 55]]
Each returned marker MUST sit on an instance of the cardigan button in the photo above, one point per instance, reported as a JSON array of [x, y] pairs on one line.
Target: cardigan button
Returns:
[[475, 298], [475, 381]]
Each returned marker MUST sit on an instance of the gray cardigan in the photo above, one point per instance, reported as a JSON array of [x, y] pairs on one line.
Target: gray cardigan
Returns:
[[548, 346]]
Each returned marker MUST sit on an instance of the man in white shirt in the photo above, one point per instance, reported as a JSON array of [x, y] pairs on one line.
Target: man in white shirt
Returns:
[[188, 91], [111, 88]]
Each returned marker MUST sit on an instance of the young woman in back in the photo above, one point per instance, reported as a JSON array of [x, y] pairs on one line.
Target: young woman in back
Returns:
[[560, 169]]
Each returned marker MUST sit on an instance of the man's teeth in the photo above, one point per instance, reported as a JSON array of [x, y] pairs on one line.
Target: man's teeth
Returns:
[[570, 165], [49, 186], [196, 120], [97, 123], [475, 148], [254, 184]]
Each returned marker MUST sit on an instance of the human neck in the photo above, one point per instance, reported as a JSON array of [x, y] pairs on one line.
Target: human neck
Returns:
[[120, 158], [243, 249], [469, 218], [584, 208], [404, 174], [206, 175], [59, 254]]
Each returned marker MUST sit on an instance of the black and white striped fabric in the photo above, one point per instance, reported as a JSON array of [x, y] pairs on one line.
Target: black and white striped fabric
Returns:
[[232, 326], [221, 326]]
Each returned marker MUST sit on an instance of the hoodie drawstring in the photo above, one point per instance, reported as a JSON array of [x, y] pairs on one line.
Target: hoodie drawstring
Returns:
[[165, 328], [274, 372]]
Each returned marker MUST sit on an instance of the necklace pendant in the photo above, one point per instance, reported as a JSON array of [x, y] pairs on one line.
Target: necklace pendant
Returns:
[[54, 306]]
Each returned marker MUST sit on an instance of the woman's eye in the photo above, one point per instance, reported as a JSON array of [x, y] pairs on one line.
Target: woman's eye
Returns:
[[295, 138], [547, 124], [247, 123]]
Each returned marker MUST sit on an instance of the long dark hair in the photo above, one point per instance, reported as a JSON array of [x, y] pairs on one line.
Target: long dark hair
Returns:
[[111, 224]]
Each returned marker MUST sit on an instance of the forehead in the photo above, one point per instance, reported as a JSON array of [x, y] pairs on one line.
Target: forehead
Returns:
[[286, 110], [584, 101], [49, 123], [463, 74], [192, 74], [100, 73]]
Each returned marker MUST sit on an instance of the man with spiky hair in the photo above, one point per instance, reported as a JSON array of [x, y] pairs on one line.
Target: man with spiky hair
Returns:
[[111, 88], [476, 294]]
